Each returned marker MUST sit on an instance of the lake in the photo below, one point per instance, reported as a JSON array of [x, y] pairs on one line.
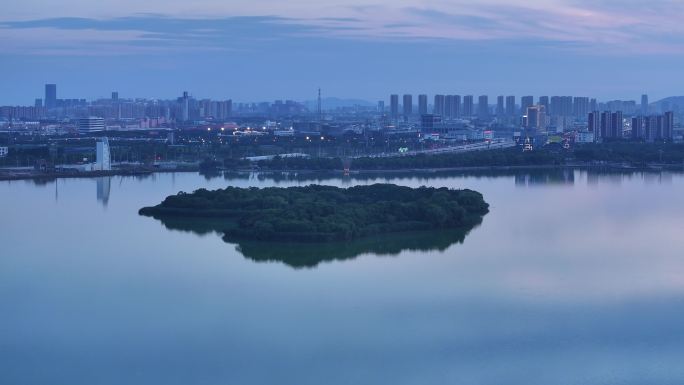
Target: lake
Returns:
[[574, 277]]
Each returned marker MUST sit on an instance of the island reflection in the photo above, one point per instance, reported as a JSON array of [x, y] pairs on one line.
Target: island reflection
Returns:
[[310, 255]]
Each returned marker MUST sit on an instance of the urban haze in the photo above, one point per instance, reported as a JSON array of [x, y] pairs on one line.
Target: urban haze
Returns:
[[341, 192]]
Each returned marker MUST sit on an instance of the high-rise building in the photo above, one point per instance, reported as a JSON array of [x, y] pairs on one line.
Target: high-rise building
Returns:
[[229, 108], [438, 107], [483, 107], [561, 106], [38, 103], [617, 124], [638, 127], [536, 119], [606, 124], [581, 106], [644, 104], [668, 125], [103, 158], [526, 102], [185, 107], [500, 108], [50, 96], [651, 128], [593, 105], [566, 105], [115, 96], [205, 109], [381, 106], [449, 106], [408, 105], [510, 106], [222, 109], [594, 124], [611, 124], [468, 106], [456, 107], [555, 106], [544, 101], [422, 104], [394, 106]]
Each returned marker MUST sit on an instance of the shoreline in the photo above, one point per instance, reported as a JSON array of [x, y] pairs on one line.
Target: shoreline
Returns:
[[97, 174], [86, 174]]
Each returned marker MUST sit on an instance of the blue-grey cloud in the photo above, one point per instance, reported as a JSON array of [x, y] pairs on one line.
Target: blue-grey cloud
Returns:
[[603, 28], [485, 50]]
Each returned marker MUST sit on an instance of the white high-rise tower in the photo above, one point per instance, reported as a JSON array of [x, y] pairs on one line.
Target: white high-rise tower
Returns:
[[103, 161]]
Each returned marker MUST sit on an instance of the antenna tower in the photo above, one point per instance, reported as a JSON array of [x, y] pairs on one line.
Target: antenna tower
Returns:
[[319, 111]]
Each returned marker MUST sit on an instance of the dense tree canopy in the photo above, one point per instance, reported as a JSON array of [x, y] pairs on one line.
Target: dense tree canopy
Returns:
[[630, 152], [324, 213]]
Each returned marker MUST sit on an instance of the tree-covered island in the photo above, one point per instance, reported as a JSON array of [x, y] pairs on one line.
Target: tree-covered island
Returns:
[[324, 213]]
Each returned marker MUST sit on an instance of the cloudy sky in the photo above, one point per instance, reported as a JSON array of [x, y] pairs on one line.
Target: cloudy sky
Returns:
[[267, 49]]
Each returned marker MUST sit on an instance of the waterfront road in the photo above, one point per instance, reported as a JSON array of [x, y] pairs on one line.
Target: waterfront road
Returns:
[[480, 146]]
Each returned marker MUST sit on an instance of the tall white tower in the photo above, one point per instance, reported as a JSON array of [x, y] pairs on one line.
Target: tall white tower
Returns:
[[103, 161]]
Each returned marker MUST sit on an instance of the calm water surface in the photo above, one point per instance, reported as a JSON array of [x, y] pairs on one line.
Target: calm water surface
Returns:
[[573, 278]]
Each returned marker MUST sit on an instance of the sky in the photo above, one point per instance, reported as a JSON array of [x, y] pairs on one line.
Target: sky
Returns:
[[275, 49]]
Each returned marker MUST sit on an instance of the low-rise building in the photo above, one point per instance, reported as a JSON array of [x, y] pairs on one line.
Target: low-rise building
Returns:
[[584, 137], [91, 124]]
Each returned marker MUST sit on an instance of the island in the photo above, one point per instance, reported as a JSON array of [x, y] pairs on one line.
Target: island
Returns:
[[321, 214]]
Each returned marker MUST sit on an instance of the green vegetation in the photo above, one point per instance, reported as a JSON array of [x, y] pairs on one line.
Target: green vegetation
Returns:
[[311, 164], [324, 213], [634, 153], [490, 158]]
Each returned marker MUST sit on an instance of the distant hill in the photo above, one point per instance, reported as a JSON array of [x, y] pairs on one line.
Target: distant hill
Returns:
[[674, 103], [332, 103]]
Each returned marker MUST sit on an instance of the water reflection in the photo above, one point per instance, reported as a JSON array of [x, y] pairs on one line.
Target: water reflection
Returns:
[[210, 174], [615, 177], [571, 284], [298, 255], [521, 177], [311, 255], [545, 177], [104, 185]]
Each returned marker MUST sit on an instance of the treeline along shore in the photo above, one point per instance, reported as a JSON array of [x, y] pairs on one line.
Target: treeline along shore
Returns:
[[612, 155], [615, 154]]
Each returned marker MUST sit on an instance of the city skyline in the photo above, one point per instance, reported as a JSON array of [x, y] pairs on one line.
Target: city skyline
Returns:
[[50, 95], [268, 50]]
